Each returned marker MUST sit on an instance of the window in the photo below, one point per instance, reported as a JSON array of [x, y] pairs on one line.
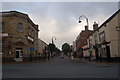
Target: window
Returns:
[[20, 27], [90, 42], [102, 36], [32, 33], [3, 47], [29, 31], [1, 26], [0, 46], [95, 39]]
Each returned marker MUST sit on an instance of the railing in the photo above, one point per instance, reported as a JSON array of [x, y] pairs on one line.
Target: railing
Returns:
[[25, 59]]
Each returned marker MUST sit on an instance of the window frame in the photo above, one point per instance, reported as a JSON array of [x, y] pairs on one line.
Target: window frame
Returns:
[[102, 36], [20, 27]]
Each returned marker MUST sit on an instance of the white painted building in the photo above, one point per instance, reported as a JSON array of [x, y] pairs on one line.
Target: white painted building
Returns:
[[106, 38], [41, 46]]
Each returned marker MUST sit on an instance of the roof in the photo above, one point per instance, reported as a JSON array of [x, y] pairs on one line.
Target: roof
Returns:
[[109, 19], [18, 14], [42, 41]]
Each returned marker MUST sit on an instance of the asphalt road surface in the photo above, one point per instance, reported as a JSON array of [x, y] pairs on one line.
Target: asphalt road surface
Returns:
[[60, 68]]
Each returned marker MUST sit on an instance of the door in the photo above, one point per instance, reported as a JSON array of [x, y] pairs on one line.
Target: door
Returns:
[[18, 52], [108, 52]]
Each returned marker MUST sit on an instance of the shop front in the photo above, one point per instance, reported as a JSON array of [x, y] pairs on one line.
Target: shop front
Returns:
[[104, 51], [20, 51]]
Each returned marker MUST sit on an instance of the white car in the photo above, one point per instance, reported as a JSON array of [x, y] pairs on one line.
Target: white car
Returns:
[[62, 56]]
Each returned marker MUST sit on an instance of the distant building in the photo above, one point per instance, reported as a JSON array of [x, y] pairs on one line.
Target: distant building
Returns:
[[42, 46], [82, 40], [74, 46], [19, 35]]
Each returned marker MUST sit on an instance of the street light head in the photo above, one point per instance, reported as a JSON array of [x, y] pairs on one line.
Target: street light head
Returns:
[[79, 21]]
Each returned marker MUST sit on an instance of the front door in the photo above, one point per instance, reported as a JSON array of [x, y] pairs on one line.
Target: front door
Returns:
[[108, 52], [18, 52]]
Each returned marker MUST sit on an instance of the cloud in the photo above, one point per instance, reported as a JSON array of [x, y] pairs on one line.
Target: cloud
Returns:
[[60, 19]]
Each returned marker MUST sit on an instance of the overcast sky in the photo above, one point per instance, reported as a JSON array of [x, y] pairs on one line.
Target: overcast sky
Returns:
[[60, 19]]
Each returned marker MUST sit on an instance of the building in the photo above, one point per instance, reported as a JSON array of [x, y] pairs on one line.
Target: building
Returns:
[[74, 46], [82, 41], [105, 39], [43, 48], [19, 36]]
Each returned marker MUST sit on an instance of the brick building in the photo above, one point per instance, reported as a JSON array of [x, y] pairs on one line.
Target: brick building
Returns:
[[19, 35], [82, 40]]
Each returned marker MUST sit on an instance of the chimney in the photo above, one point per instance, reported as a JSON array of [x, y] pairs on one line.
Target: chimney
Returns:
[[86, 28], [95, 26]]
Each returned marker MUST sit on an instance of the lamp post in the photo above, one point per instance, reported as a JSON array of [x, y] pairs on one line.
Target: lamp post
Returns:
[[86, 29], [85, 18], [52, 46]]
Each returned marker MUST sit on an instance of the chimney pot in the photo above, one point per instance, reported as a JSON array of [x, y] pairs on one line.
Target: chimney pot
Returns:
[[86, 28], [95, 26]]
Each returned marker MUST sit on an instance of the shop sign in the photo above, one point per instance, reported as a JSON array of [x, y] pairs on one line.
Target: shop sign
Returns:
[[31, 48], [3, 34], [30, 38]]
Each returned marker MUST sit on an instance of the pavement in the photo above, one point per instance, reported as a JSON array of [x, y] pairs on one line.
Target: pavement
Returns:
[[60, 68], [96, 62]]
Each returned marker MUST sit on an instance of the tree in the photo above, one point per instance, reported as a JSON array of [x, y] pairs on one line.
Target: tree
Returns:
[[57, 50], [52, 47], [66, 48]]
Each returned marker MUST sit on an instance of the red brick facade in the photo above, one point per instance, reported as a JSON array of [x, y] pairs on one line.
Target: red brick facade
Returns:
[[82, 39]]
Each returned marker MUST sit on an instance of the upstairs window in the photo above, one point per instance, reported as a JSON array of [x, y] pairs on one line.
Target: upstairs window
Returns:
[[102, 36], [96, 40], [90, 42], [32, 33], [1, 26], [29, 31], [20, 27], [0, 45]]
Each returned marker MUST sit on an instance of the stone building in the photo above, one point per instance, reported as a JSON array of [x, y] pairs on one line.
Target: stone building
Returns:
[[19, 35]]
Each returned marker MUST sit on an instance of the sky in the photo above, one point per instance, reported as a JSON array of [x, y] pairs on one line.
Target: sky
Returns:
[[60, 19]]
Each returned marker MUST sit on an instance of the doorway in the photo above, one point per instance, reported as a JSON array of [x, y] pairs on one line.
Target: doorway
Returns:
[[108, 52], [18, 52]]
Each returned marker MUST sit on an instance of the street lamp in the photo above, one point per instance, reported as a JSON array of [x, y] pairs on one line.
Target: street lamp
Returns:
[[53, 38], [85, 18]]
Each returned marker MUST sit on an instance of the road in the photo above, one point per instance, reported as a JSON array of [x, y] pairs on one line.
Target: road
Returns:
[[60, 68]]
